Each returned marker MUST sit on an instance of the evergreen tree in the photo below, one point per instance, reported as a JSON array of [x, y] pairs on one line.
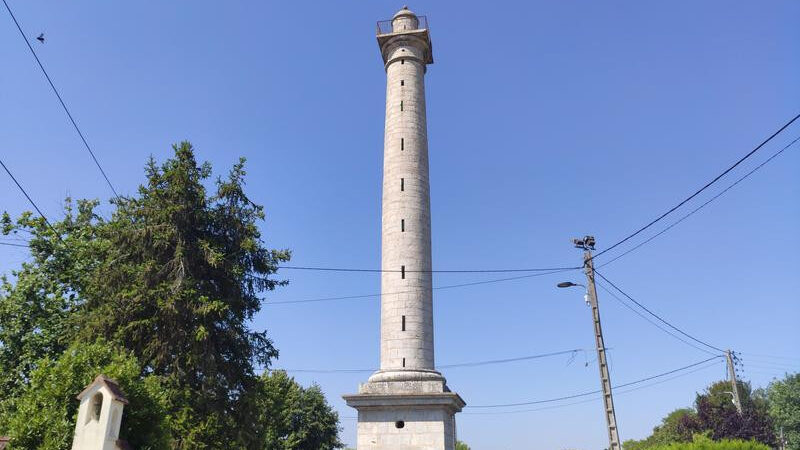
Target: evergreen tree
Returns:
[[173, 280], [179, 282]]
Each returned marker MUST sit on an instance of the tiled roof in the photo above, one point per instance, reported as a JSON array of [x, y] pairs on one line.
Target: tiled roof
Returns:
[[112, 386]]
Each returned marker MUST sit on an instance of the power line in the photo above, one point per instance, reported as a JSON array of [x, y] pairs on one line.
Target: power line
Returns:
[[597, 391], [760, 355], [342, 269], [9, 244], [624, 391], [657, 316], [448, 366], [615, 297], [451, 286], [30, 200], [61, 100], [687, 199], [774, 155]]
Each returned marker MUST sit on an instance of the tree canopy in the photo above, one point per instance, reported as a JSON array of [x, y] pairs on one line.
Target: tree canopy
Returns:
[[172, 280], [784, 407], [714, 417]]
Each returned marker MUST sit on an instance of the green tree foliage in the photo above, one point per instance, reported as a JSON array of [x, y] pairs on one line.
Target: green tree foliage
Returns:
[[784, 408], [717, 414], [461, 446], [37, 308], [293, 417], [678, 426], [173, 279], [43, 415], [179, 280], [703, 442]]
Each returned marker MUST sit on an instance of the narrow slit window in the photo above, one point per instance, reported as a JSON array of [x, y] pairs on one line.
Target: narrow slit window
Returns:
[[402, 184], [401, 105], [404, 323], [402, 61], [402, 82], [404, 364], [403, 225], [403, 272], [402, 144]]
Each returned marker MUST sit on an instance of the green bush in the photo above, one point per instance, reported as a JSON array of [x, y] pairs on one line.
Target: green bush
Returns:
[[43, 416], [703, 442]]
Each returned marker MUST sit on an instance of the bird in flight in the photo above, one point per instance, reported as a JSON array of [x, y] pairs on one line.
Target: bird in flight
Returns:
[[40, 38]]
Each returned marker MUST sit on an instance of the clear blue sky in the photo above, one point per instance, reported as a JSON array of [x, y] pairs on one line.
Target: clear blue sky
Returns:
[[547, 121]]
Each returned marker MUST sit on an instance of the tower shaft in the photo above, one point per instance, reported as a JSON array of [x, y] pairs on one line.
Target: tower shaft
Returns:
[[406, 301]]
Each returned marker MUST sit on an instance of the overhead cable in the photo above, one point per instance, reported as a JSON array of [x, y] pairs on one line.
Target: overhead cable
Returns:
[[774, 155], [451, 286], [656, 315], [29, 200], [597, 391], [446, 366], [638, 313], [61, 100], [343, 269], [623, 391], [10, 244], [687, 199]]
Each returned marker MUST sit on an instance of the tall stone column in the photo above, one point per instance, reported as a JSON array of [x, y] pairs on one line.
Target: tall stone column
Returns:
[[406, 404], [406, 304]]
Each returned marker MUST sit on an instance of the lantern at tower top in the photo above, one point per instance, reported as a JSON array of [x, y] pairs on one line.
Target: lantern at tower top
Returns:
[[405, 28]]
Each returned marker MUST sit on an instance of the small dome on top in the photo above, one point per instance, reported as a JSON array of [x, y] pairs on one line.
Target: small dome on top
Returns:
[[404, 12]]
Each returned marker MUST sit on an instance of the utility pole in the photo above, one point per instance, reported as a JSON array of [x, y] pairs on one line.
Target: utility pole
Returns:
[[732, 375], [587, 244]]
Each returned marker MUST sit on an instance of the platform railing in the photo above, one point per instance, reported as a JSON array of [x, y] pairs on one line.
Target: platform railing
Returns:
[[385, 26]]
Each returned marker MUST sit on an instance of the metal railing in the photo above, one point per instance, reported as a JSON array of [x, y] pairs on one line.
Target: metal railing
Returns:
[[385, 26]]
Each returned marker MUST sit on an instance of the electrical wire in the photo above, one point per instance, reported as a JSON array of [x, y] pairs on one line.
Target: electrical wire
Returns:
[[774, 155], [447, 366], [61, 100], [624, 391], [30, 200], [451, 286], [341, 269], [687, 199], [615, 297], [759, 355], [9, 244], [597, 391], [657, 316]]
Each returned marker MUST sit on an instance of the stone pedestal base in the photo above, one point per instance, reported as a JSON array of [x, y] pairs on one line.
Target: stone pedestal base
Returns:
[[416, 414]]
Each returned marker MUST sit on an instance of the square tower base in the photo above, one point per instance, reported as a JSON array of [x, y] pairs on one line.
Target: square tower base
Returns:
[[405, 416]]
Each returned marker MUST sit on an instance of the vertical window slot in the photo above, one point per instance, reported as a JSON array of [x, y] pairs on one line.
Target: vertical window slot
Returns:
[[403, 225], [402, 184], [404, 323], [404, 364], [402, 61], [402, 82], [401, 105], [403, 272], [402, 144]]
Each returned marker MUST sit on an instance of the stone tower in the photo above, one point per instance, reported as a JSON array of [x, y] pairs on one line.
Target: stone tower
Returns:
[[406, 404]]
